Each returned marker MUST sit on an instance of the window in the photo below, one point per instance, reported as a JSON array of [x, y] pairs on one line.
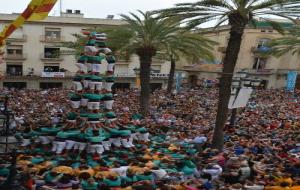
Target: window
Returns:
[[51, 53], [51, 68], [121, 69], [48, 85], [53, 33], [14, 70], [262, 42], [14, 50], [259, 63], [17, 85], [156, 68]]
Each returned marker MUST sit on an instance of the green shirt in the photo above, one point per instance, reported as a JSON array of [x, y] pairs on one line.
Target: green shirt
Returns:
[[96, 78], [113, 183], [87, 186], [111, 59], [94, 97], [96, 139], [95, 116], [110, 79], [72, 116]]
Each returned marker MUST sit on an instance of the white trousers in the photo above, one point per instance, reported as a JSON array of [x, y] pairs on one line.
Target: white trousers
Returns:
[[86, 83], [93, 105], [109, 104], [116, 141], [70, 144], [58, 147], [96, 148], [77, 86], [110, 67], [95, 85], [84, 102], [108, 86], [125, 143], [143, 136], [80, 146], [82, 67], [96, 68], [75, 104], [106, 145], [44, 140]]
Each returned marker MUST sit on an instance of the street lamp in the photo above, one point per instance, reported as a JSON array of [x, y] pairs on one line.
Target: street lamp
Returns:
[[8, 145], [239, 81]]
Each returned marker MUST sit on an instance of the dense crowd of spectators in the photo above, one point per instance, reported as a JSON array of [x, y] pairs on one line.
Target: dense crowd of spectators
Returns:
[[261, 152]]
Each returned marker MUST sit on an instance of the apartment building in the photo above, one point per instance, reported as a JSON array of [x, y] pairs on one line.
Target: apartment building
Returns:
[[35, 60], [273, 71]]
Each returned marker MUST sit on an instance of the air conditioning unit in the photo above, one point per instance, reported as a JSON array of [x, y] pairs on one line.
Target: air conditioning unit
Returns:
[[69, 11], [77, 12]]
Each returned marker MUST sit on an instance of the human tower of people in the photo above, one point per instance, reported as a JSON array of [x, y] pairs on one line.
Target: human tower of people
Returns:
[[90, 125]]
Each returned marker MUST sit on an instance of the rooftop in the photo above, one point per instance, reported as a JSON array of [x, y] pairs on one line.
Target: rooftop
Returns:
[[65, 20]]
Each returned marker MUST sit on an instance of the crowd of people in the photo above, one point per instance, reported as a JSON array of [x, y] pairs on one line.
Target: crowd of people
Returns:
[[260, 152]]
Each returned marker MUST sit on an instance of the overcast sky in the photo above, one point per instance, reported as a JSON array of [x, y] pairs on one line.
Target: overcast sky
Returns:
[[95, 8]]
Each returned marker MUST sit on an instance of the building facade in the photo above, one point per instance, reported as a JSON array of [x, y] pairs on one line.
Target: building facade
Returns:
[[35, 60], [272, 70]]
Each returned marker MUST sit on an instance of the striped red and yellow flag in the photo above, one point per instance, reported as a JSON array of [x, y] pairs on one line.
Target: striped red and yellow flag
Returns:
[[41, 9], [36, 10]]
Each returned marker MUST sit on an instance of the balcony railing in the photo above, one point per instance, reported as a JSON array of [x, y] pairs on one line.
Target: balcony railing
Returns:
[[261, 71], [15, 56], [51, 57], [14, 73], [21, 38], [52, 39]]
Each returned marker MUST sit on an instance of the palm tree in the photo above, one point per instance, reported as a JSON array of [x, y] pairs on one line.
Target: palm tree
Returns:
[[237, 13], [288, 43], [187, 45], [144, 37]]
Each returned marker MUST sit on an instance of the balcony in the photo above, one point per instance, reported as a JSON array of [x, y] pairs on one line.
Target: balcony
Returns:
[[15, 57], [21, 38], [52, 39], [222, 49], [51, 57], [261, 71]]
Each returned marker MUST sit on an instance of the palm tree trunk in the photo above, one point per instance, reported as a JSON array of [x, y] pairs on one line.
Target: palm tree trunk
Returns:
[[232, 52], [145, 56], [171, 76]]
